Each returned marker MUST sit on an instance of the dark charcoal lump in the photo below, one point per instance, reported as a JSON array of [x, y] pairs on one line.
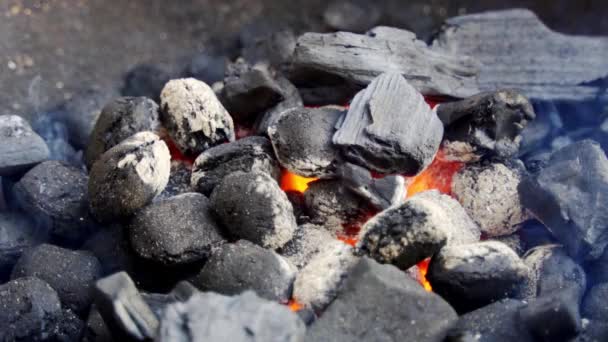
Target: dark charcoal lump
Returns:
[[594, 305], [174, 231], [292, 100], [145, 80], [251, 206], [243, 318], [308, 241], [302, 140], [128, 176], [111, 247], [179, 180], [194, 117], [18, 234], [96, 329], [381, 303], [234, 268], [120, 119], [382, 193], [352, 16], [70, 327], [20, 147], [248, 154], [70, 273], [553, 317], [598, 269]]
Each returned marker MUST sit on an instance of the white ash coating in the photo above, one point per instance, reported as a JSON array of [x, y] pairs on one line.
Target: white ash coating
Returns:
[[308, 241]]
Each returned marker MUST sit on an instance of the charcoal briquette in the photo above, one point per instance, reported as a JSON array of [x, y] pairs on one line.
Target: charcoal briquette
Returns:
[[21, 147]]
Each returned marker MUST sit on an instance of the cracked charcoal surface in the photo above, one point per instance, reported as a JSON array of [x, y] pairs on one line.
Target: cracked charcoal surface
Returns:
[[20, 147]]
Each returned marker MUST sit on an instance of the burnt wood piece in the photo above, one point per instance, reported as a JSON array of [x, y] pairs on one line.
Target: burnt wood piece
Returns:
[[20, 147], [308, 241], [380, 192], [343, 57], [389, 128], [518, 51]]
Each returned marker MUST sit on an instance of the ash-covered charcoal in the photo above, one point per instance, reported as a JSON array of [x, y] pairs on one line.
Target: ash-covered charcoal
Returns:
[[18, 233], [389, 128], [240, 266], [514, 241], [250, 154], [553, 317], [489, 122], [145, 80], [517, 50], [380, 192], [251, 206], [194, 117], [56, 195], [123, 309], [128, 176], [353, 16], [70, 273], [381, 303], [489, 194], [178, 230], [594, 305], [343, 57], [302, 140], [318, 282], [407, 234], [21, 147], [208, 68], [308, 241], [120, 119], [298, 203], [473, 275], [30, 310], [568, 197], [243, 318], [179, 180]]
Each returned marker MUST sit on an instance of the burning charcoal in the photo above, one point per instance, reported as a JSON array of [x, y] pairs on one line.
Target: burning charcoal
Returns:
[[407, 234], [179, 181], [128, 176], [380, 192], [18, 234], [57, 195], [195, 118], [145, 80], [70, 273], [308, 241], [244, 318], [379, 302], [245, 266], [302, 140], [389, 128], [253, 207], [546, 64], [119, 120], [251, 154], [96, 329], [353, 16], [30, 309], [491, 121], [21, 147], [472, 275], [489, 195], [318, 282], [594, 305], [567, 197], [207, 68], [174, 231], [327, 59], [553, 317]]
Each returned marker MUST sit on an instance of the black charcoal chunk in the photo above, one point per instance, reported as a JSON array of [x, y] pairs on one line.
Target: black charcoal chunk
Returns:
[[194, 117], [178, 230], [128, 176], [308, 241], [56, 194], [111, 247], [302, 140], [96, 329], [513, 241], [240, 266], [70, 273], [380, 192], [70, 327], [244, 318], [553, 317], [20, 147], [292, 100], [145, 80], [389, 128], [381, 303], [594, 305], [248, 154], [473, 275], [251, 206], [352, 16], [567, 196], [18, 234], [490, 122], [30, 310], [179, 180], [120, 119]]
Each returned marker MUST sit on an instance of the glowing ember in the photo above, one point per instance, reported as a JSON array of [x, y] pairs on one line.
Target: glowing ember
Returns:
[[437, 176], [176, 154], [423, 268], [292, 182], [294, 305]]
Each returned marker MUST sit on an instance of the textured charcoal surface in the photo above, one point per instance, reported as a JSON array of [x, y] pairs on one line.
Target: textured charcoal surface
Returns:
[[490, 122], [489, 194], [194, 117], [358, 59], [120, 119], [21, 148], [517, 50], [243, 318], [128, 176], [308, 241], [18, 234], [174, 231], [568, 197], [251, 206], [380, 192], [302, 140], [513, 241], [96, 329], [247, 155], [352, 16], [553, 317], [292, 100], [111, 247], [381, 303], [70, 327], [70, 273], [179, 180], [473, 275], [594, 305], [389, 128], [234, 268]]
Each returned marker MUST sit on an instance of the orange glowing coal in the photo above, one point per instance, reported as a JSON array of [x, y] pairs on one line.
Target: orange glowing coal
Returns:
[[423, 268], [292, 182], [294, 305], [437, 176]]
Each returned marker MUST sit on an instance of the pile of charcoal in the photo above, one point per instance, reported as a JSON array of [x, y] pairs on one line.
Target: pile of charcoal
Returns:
[[433, 204]]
